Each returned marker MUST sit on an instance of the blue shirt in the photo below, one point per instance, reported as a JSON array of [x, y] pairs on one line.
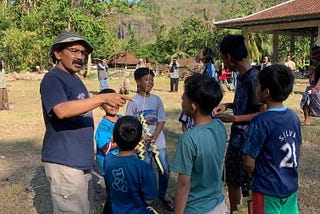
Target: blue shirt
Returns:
[[199, 154], [274, 141], [66, 141], [245, 102], [103, 136], [210, 70], [131, 183]]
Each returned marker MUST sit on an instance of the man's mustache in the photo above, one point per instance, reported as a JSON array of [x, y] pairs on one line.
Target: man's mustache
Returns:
[[79, 62]]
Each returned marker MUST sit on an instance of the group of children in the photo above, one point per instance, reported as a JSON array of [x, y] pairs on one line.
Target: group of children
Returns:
[[262, 154]]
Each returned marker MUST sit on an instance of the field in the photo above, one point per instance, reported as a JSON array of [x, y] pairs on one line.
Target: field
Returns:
[[24, 188]]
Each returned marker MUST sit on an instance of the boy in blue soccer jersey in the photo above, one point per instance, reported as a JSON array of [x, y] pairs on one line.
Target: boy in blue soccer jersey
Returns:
[[273, 146]]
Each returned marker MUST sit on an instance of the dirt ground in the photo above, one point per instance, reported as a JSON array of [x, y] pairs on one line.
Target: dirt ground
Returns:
[[24, 187]]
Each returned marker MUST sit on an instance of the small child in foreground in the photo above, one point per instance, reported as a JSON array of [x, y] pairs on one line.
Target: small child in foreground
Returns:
[[103, 139], [132, 182], [272, 148]]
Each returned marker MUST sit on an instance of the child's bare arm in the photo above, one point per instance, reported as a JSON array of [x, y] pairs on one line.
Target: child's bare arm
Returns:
[[249, 164], [183, 127], [156, 133], [227, 118], [182, 191], [148, 202], [114, 145]]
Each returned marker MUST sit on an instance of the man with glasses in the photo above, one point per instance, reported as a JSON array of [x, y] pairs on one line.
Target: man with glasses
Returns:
[[68, 147]]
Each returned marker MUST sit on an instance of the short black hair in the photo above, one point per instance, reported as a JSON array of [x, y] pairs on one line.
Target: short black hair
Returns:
[[234, 46], [141, 72], [203, 90], [279, 79], [127, 133], [102, 58], [107, 90], [208, 54]]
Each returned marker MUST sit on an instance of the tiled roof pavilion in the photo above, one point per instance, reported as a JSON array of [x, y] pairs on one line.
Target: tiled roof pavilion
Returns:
[[294, 17]]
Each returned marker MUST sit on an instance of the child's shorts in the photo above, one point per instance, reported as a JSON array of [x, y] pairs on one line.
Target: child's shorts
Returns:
[[235, 171], [265, 204]]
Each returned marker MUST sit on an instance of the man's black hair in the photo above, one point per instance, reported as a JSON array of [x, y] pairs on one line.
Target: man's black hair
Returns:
[[203, 90], [127, 133], [234, 46], [107, 90], [141, 72], [279, 79]]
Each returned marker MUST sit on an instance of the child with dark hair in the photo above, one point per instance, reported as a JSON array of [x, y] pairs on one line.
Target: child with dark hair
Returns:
[[104, 131], [103, 138], [206, 55], [245, 106], [272, 148], [149, 108], [132, 182], [200, 150]]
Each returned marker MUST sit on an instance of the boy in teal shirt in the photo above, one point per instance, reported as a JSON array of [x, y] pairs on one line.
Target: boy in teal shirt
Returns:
[[200, 151]]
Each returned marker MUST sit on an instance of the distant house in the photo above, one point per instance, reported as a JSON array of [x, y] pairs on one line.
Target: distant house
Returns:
[[188, 66], [185, 63], [123, 60]]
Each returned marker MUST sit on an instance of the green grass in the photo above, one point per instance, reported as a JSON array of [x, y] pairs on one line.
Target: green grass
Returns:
[[24, 188]]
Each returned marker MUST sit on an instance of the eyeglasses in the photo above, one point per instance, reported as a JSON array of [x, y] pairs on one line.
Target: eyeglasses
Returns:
[[77, 52]]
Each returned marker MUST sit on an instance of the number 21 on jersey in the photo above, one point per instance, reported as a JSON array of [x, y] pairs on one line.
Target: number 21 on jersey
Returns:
[[290, 159]]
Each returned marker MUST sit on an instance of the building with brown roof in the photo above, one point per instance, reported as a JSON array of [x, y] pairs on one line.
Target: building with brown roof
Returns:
[[124, 60], [294, 17], [187, 62]]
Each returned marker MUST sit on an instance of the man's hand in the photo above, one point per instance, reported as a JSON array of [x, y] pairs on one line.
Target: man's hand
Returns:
[[227, 118], [114, 99], [219, 109]]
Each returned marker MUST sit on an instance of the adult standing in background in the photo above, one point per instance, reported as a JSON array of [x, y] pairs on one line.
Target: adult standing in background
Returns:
[[4, 103], [174, 75], [289, 63], [310, 102], [265, 63], [140, 64], [68, 147], [206, 55], [102, 68]]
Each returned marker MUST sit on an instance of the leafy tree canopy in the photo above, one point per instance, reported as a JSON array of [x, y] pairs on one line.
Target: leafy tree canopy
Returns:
[[155, 30]]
